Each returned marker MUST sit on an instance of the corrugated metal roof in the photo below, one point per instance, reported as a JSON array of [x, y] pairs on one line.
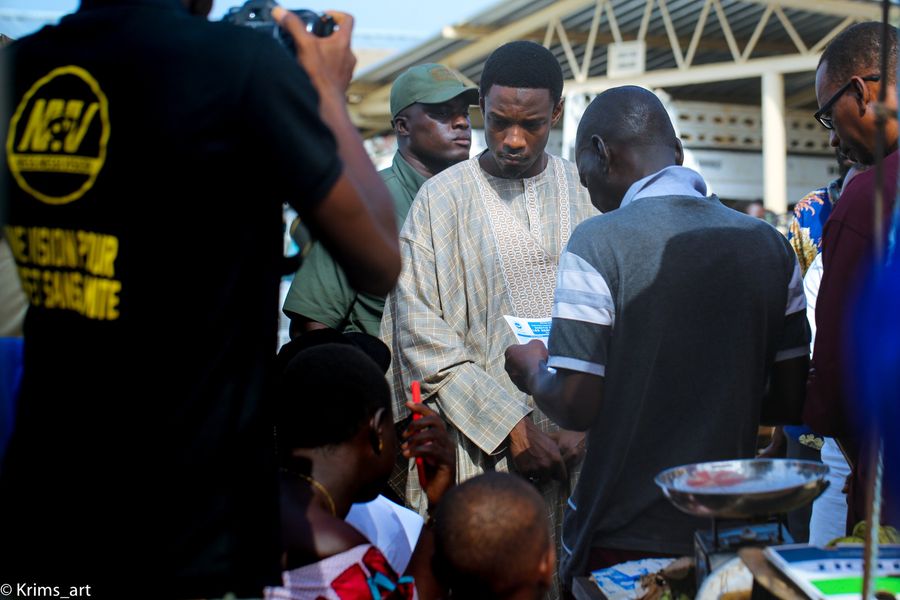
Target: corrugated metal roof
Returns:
[[812, 21]]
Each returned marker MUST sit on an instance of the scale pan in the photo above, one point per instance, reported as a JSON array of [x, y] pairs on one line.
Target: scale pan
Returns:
[[743, 489]]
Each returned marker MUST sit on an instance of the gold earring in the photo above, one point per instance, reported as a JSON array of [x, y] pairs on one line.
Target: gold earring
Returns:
[[380, 444]]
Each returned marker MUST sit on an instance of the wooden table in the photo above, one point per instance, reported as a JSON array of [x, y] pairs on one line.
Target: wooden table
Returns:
[[768, 581]]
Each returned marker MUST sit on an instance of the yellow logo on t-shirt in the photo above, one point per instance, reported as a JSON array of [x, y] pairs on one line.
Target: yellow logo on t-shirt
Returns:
[[57, 137]]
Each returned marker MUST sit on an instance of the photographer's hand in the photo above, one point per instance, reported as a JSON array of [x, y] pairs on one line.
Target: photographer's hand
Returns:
[[328, 61]]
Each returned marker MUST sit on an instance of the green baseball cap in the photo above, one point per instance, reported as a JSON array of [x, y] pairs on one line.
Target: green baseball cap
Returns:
[[429, 83]]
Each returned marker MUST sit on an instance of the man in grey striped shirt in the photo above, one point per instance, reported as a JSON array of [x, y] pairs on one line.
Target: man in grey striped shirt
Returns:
[[672, 313]]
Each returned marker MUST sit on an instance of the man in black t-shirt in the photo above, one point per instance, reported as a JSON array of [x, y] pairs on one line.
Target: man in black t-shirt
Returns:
[[138, 134]]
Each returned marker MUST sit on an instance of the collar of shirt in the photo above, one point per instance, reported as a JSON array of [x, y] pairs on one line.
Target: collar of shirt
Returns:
[[671, 181], [412, 180]]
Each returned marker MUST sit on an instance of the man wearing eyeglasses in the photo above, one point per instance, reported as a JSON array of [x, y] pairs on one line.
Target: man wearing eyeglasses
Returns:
[[848, 81]]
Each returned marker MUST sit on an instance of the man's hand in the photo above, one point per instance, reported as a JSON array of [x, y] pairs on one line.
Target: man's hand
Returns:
[[777, 447], [328, 61], [571, 445], [534, 453], [523, 361], [427, 438]]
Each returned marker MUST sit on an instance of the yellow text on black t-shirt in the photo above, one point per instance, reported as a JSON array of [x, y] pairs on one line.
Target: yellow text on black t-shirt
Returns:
[[67, 269]]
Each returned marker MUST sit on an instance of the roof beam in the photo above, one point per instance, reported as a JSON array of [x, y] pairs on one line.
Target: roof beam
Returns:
[[477, 42], [485, 45], [673, 37], [591, 42], [841, 8], [368, 100], [653, 41], [514, 31], [726, 30], [700, 74], [760, 26], [724, 71], [792, 32], [818, 46], [801, 98], [698, 31]]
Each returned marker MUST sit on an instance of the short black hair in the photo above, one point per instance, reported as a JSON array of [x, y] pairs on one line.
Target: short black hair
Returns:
[[523, 64], [857, 51], [630, 114], [489, 532], [325, 394]]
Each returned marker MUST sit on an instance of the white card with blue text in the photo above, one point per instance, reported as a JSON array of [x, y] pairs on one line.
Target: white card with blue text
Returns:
[[529, 329]]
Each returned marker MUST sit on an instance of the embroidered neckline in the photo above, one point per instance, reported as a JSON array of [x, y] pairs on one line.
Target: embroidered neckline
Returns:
[[529, 269]]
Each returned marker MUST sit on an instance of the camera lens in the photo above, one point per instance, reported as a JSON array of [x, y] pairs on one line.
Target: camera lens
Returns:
[[319, 25]]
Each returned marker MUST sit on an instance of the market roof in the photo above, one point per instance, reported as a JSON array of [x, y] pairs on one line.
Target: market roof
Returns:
[[711, 50]]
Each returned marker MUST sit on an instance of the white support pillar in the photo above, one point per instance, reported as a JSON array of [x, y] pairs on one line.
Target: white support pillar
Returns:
[[576, 103], [774, 143]]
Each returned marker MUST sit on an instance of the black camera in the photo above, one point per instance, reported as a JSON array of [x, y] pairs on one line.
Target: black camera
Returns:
[[257, 14]]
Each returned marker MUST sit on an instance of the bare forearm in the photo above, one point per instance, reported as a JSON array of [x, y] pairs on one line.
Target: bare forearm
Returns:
[[376, 262], [368, 254], [357, 164], [356, 219], [572, 400]]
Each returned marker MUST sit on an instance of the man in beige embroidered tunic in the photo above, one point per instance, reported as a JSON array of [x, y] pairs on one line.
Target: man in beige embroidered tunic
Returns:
[[482, 240]]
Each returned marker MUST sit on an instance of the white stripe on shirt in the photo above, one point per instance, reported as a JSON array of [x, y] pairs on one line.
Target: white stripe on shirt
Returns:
[[576, 364], [582, 293]]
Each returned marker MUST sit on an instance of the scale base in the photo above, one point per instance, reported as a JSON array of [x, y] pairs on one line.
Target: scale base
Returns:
[[715, 547]]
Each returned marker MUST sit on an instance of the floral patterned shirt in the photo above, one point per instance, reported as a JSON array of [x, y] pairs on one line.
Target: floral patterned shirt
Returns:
[[810, 214]]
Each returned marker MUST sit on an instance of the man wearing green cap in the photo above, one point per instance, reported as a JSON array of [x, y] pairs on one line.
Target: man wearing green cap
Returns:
[[430, 110]]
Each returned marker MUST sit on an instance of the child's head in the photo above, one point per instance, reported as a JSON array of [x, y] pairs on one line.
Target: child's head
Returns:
[[492, 539], [335, 395]]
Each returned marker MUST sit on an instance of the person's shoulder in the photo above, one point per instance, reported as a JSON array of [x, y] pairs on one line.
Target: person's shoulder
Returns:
[[460, 171], [35, 38], [811, 203], [449, 184], [601, 228], [567, 165], [327, 539], [615, 222], [861, 186], [387, 173], [239, 41], [741, 220], [765, 236], [579, 198], [233, 47], [568, 168]]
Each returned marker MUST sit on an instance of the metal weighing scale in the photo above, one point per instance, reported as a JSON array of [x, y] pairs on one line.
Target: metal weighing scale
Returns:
[[747, 501]]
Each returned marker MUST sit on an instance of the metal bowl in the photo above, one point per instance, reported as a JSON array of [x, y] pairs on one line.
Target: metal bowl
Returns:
[[743, 489]]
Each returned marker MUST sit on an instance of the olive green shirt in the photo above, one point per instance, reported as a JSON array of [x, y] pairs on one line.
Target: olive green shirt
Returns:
[[320, 290]]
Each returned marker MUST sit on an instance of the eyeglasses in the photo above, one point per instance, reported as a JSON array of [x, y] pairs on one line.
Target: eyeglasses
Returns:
[[823, 115]]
